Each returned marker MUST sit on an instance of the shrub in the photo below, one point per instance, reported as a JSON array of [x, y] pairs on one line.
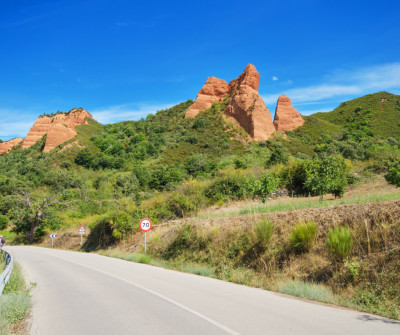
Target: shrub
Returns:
[[182, 205], [302, 236], [278, 155], [3, 222], [264, 230], [267, 185], [393, 175], [240, 164], [326, 175], [339, 242], [294, 177], [231, 186]]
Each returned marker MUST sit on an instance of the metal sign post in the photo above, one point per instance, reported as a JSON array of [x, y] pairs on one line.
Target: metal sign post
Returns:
[[52, 236], [81, 232], [145, 226]]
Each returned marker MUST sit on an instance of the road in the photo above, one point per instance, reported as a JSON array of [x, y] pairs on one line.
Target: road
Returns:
[[80, 293]]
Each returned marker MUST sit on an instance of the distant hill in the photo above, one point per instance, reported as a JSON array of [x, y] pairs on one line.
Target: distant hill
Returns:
[[373, 114]]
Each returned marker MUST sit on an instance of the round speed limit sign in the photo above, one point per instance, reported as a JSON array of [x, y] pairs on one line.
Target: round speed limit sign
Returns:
[[145, 225]]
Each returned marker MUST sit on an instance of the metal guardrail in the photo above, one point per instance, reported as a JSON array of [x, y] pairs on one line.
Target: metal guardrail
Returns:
[[5, 276]]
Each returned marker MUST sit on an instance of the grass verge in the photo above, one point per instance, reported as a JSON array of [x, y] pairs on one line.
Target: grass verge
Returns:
[[310, 291], [15, 301]]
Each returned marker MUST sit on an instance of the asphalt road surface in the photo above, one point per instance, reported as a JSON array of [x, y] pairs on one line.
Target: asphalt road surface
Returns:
[[80, 293]]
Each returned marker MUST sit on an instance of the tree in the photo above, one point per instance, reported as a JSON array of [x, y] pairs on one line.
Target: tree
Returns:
[[34, 213], [3, 221], [393, 175], [279, 155], [267, 185], [326, 175]]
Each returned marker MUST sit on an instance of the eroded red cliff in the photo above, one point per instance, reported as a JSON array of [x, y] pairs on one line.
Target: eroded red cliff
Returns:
[[59, 128], [245, 106], [214, 90], [7, 146], [286, 116]]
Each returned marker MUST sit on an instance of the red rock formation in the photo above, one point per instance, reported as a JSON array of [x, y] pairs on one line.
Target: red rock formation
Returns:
[[214, 90], [245, 106], [286, 116], [59, 128], [7, 146], [38, 130]]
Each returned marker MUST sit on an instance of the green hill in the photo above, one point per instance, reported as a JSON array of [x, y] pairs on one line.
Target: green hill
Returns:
[[166, 166], [378, 113]]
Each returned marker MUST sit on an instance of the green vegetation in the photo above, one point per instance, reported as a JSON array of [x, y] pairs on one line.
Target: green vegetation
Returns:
[[306, 290], [302, 236], [15, 301], [393, 175], [167, 167], [264, 230], [339, 242], [3, 221], [257, 251]]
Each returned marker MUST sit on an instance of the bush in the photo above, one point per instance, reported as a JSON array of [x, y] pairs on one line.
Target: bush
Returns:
[[182, 205], [264, 231], [393, 175], [107, 229], [326, 175], [294, 177], [232, 186], [3, 222], [339, 242], [302, 236], [267, 185], [240, 164], [279, 155]]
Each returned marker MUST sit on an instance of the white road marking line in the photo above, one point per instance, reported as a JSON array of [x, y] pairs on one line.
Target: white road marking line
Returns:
[[202, 316]]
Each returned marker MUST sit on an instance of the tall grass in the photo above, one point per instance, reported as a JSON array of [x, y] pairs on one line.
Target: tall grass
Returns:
[[310, 291], [339, 242], [15, 301], [302, 236], [264, 230]]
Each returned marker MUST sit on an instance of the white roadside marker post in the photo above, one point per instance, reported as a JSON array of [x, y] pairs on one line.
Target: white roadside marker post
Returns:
[[52, 236], [145, 226]]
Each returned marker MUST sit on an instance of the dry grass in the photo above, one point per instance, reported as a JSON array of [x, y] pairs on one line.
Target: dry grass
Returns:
[[228, 248], [374, 191]]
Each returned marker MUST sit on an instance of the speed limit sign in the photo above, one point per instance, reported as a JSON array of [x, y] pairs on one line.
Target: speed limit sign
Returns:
[[145, 225]]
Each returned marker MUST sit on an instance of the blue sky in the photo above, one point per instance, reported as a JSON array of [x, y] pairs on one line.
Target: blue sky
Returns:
[[121, 60]]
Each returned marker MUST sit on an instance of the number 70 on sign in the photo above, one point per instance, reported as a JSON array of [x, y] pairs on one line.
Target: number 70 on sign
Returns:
[[145, 225]]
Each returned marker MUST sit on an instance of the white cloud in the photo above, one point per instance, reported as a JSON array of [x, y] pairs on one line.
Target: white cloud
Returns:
[[274, 78], [10, 128], [320, 110], [345, 84], [125, 112]]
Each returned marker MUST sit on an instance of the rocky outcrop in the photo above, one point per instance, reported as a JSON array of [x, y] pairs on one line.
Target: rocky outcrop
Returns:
[[244, 105], [7, 146], [247, 107], [214, 90], [286, 116], [58, 128]]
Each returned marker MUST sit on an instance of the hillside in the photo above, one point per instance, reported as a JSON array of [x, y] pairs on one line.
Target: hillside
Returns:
[[167, 167], [373, 115]]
